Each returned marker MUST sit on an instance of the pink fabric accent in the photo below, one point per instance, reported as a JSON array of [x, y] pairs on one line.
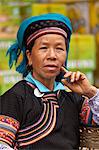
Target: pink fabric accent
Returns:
[[46, 31]]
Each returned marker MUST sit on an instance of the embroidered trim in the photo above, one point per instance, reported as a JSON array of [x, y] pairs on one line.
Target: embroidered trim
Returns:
[[43, 126], [86, 114], [10, 121], [8, 129]]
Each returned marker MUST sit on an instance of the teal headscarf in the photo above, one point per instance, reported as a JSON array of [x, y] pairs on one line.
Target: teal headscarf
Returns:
[[17, 52]]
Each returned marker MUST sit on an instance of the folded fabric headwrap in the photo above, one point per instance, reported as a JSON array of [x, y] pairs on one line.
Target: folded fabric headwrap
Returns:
[[32, 28]]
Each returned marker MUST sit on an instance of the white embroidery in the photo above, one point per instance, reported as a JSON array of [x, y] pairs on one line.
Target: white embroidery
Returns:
[[37, 93]]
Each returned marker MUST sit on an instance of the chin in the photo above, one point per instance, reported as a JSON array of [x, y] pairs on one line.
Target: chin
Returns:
[[51, 77]]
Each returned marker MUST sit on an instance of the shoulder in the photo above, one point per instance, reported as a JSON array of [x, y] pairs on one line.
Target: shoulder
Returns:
[[19, 85], [19, 89], [12, 101]]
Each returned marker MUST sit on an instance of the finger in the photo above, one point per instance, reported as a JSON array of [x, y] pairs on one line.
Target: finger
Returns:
[[77, 75], [73, 77], [67, 73], [64, 69], [82, 76], [65, 82]]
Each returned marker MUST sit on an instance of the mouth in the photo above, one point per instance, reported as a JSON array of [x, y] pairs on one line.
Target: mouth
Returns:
[[51, 67]]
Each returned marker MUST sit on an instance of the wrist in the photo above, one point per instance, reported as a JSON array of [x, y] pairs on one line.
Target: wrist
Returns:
[[91, 92]]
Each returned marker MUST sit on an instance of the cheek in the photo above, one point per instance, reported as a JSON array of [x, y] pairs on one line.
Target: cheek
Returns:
[[36, 61], [63, 58]]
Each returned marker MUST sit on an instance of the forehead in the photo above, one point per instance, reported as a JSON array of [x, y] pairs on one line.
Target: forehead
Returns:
[[52, 38]]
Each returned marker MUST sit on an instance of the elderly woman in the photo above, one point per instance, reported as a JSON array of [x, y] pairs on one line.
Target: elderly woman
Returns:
[[39, 112]]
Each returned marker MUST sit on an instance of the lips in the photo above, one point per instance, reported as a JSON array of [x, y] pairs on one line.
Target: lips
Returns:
[[51, 67]]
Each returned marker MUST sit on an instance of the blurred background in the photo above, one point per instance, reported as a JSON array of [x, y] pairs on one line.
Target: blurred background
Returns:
[[84, 46]]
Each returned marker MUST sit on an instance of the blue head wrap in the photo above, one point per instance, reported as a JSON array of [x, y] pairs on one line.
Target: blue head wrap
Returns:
[[17, 51]]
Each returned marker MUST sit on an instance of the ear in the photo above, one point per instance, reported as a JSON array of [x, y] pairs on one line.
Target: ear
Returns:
[[28, 54]]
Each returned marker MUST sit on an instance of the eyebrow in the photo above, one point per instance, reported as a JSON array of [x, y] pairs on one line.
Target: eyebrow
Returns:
[[46, 42]]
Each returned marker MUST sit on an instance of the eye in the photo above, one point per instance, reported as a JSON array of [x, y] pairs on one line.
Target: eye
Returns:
[[60, 48], [43, 47]]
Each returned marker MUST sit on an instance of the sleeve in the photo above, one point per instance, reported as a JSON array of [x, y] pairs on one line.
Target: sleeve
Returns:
[[94, 105], [5, 147], [89, 114], [10, 117]]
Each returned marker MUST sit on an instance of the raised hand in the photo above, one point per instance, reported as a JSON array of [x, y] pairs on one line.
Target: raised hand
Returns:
[[78, 83]]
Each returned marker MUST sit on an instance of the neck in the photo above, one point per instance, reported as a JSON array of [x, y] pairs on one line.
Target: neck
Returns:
[[49, 83]]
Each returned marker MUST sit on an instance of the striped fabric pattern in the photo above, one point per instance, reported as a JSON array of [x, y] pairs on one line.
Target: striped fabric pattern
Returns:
[[8, 129], [44, 31], [44, 125]]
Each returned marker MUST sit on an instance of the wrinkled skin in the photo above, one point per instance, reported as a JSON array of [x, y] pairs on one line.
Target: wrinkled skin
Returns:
[[47, 57]]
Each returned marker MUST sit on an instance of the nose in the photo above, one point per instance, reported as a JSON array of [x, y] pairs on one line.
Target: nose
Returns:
[[52, 54]]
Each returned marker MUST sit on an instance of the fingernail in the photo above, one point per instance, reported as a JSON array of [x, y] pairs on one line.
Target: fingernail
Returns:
[[72, 80]]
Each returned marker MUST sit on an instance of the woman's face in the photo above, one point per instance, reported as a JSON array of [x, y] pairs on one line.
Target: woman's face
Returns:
[[47, 56]]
